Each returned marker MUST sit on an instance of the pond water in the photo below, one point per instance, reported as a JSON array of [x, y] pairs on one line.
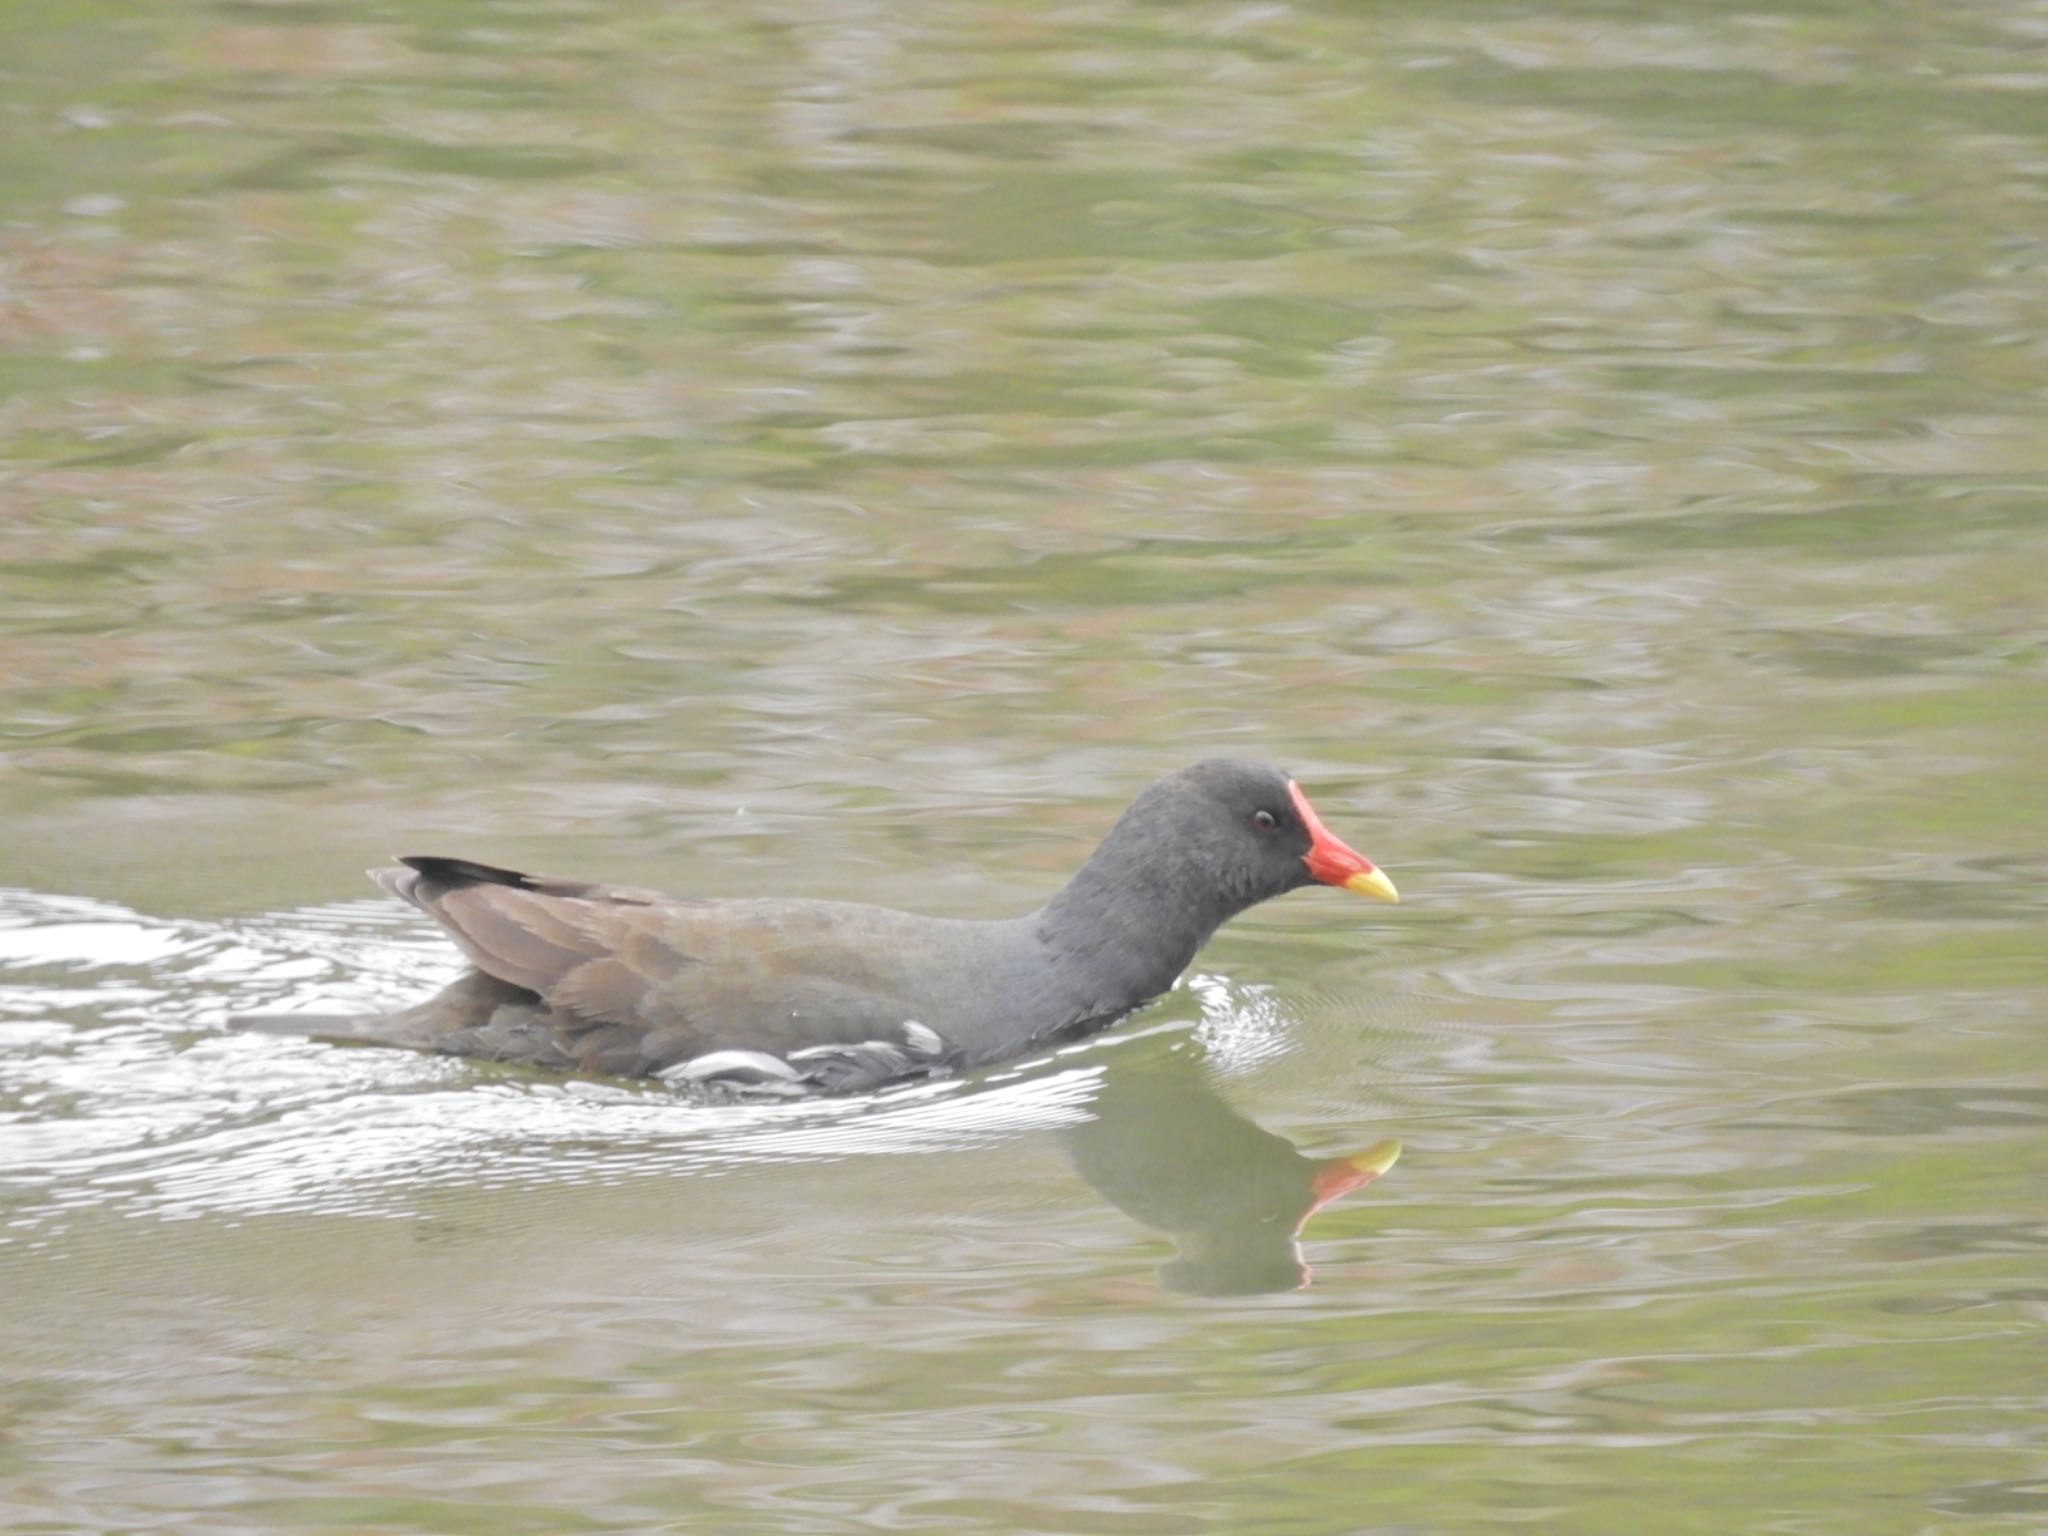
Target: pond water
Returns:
[[844, 449]]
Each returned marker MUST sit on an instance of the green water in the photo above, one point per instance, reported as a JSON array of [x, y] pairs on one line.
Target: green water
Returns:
[[847, 450]]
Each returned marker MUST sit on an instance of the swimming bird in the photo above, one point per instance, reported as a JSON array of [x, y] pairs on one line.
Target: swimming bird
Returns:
[[789, 996]]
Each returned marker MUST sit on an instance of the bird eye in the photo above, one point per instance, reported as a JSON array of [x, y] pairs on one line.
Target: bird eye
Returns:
[[1265, 821]]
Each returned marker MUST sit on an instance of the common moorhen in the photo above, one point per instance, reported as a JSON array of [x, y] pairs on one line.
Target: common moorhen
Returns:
[[789, 996]]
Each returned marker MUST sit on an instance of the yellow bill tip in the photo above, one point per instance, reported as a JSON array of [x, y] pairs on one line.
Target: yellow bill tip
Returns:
[[1373, 883], [1340, 1175], [1377, 1158]]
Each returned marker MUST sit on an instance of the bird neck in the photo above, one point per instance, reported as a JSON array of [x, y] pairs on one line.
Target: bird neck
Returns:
[[1132, 918]]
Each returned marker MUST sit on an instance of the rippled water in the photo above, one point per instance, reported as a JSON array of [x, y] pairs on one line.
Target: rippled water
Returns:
[[847, 450]]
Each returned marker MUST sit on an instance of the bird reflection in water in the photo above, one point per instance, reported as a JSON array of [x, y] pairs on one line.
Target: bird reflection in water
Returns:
[[1164, 1148]]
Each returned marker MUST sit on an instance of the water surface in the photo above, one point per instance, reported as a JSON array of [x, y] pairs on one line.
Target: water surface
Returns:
[[848, 450]]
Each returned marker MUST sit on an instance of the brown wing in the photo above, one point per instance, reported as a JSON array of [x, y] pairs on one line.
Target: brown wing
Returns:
[[591, 950], [628, 981]]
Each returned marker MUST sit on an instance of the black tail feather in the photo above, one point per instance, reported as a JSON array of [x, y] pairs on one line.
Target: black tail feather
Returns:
[[452, 874]]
